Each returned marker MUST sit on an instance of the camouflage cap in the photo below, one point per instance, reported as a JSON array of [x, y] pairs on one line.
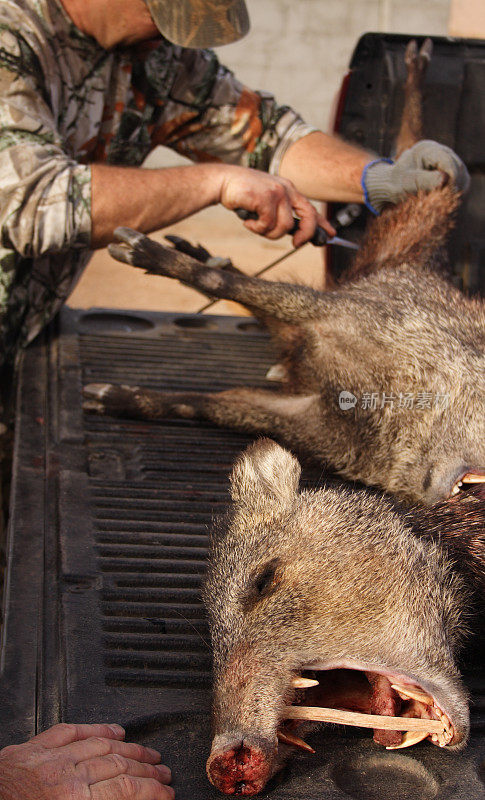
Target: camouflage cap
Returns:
[[200, 23]]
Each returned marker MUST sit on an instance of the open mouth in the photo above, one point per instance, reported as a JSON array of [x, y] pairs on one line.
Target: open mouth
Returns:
[[389, 704], [467, 481], [366, 699]]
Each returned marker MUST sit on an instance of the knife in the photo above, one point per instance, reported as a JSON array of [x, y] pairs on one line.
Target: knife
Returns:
[[319, 239]]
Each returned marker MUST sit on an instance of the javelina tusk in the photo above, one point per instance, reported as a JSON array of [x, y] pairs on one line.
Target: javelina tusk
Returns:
[[289, 738], [409, 738], [472, 477], [413, 694], [317, 714], [303, 683]]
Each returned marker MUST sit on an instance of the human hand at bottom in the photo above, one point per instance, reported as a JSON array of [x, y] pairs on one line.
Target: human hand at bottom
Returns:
[[82, 762]]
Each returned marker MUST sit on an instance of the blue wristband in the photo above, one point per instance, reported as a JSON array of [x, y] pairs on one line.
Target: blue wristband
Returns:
[[364, 187]]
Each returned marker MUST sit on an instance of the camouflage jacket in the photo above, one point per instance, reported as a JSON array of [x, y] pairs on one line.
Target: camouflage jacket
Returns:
[[66, 103]]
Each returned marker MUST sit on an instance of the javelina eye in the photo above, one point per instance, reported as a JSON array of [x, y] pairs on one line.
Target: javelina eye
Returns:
[[261, 584], [265, 579]]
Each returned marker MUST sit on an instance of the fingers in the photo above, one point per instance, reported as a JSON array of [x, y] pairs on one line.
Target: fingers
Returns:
[[284, 205], [96, 770], [98, 746], [66, 733], [422, 180], [430, 155], [307, 215], [277, 214], [326, 225], [276, 202], [274, 210], [127, 787]]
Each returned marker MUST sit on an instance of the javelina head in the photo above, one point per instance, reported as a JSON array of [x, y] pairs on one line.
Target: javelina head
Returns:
[[332, 581], [441, 452]]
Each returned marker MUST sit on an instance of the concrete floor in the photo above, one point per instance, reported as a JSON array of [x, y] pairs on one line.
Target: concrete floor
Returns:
[[110, 284]]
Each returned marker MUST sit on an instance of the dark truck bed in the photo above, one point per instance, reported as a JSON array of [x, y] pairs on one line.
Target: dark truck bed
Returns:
[[106, 551]]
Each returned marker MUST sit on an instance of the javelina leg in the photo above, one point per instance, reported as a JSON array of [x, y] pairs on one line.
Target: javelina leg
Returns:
[[203, 256], [411, 130], [283, 301], [278, 329], [250, 410]]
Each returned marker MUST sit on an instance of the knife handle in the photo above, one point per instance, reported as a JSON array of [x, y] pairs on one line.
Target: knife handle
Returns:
[[319, 238]]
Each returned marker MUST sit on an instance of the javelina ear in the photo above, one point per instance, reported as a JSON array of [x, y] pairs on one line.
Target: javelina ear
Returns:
[[265, 469]]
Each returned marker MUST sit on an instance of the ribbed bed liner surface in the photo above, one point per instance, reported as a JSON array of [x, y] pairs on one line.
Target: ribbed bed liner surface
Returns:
[[108, 543], [151, 523]]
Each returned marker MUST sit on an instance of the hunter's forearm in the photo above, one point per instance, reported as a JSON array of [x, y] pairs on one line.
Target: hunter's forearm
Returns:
[[320, 166], [324, 167], [148, 199]]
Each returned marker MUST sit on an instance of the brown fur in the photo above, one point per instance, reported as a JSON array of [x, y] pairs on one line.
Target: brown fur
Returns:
[[414, 235], [411, 130], [394, 331]]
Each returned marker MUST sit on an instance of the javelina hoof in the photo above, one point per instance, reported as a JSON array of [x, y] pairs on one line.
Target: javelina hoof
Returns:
[[127, 241], [415, 59], [136, 249], [106, 398]]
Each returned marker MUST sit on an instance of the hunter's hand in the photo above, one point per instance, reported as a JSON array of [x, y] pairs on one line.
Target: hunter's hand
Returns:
[[420, 168], [82, 762], [275, 201]]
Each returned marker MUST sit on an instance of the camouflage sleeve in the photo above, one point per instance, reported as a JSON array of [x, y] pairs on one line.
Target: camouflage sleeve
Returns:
[[209, 115], [45, 196]]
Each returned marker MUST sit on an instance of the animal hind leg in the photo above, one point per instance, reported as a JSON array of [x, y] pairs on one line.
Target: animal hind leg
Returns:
[[243, 409], [411, 130], [225, 264]]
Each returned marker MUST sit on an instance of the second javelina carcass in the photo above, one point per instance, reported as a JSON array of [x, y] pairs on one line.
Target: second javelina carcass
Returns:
[[396, 331], [337, 582]]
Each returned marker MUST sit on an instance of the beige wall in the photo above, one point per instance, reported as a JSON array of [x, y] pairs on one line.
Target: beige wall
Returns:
[[299, 49], [467, 18]]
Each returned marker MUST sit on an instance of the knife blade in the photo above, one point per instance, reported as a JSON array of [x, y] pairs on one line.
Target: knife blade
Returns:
[[319, 239]]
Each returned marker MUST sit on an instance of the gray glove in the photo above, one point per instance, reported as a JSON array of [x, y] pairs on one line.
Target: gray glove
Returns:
[[419, 168]]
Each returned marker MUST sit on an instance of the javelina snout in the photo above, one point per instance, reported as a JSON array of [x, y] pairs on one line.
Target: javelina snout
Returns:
[[333, 581], [239, 765]]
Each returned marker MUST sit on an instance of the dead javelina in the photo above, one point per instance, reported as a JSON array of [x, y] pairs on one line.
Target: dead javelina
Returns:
[[335, 582], [396, 329]]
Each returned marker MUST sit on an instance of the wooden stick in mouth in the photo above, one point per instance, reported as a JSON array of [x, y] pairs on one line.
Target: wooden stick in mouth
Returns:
[[317, 714]]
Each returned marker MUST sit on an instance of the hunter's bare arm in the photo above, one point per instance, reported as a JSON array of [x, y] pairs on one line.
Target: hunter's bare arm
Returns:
[[324, 167], [318, 166], [150, 199]]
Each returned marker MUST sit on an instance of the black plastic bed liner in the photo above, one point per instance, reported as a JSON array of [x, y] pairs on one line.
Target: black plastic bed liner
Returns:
[[107, 547]]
